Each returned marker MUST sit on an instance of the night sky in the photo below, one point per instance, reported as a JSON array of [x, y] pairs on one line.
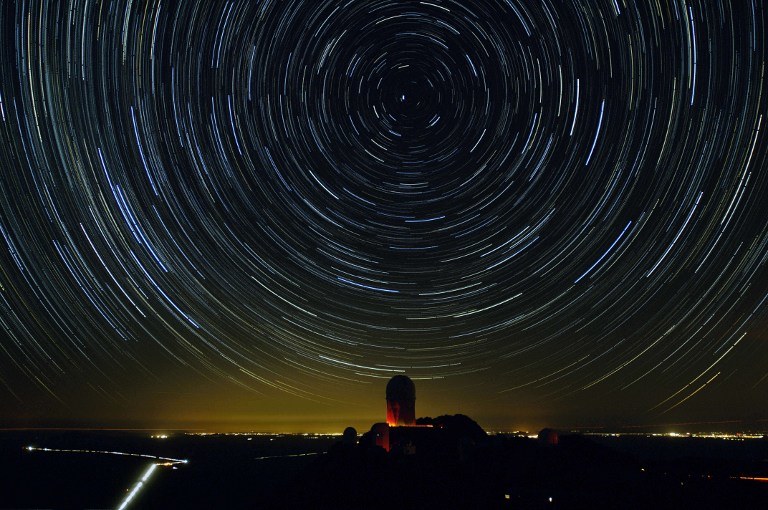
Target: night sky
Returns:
[[251, 214]]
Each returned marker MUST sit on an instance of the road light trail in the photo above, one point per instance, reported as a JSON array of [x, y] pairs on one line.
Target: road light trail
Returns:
[[104, 452], [139, 485], [162, 461]]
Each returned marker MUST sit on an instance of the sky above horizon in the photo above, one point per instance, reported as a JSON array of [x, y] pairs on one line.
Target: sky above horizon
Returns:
[[232, 213]]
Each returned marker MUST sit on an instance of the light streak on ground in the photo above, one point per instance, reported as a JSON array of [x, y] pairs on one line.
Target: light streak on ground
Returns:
[[103, 452], [165, 461], [763, 479], [287, 456], [136, 488]]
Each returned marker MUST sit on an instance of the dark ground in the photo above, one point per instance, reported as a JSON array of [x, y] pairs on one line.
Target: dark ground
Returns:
[[498, 472], [521, 473]]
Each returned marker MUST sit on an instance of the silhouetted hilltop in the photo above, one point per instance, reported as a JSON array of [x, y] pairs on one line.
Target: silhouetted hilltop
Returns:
[[450, 462], [458, 426], [441, 436], [476, 471]]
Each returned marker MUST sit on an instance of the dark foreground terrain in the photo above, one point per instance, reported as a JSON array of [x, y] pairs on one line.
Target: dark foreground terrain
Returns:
[[292, 472], [506, 472]]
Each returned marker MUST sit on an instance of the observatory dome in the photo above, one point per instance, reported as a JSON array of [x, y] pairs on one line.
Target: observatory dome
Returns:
[[401, 388]]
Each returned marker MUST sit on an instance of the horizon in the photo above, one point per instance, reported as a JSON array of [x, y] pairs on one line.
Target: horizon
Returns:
[[729, 427]]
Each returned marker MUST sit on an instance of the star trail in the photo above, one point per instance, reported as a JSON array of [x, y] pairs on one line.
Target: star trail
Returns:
[[539, 210]]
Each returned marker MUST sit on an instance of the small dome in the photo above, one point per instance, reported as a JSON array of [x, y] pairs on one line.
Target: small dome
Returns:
[[549, 437], [400, 387], [349, 436]]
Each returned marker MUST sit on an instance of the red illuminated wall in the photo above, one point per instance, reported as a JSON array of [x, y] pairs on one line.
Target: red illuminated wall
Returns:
[[401, 412]]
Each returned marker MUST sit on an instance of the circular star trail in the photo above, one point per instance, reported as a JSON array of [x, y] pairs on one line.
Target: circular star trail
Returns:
[[560, 200]]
